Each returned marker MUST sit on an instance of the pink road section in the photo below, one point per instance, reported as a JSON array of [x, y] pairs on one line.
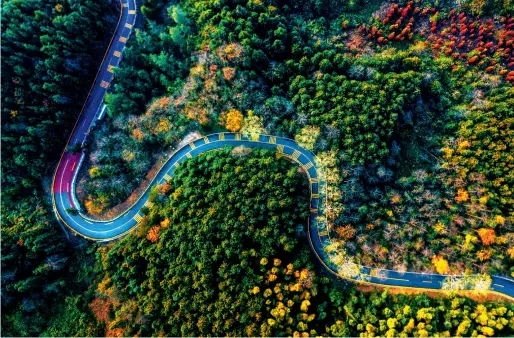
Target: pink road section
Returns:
[[65, 172]]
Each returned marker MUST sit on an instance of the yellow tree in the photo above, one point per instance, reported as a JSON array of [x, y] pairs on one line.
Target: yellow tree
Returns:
[[234, 120], [441, 264], [252, 124], [307, 137]]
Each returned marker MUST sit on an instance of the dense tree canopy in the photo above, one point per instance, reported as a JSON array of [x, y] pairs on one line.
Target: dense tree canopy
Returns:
[[47, 66], [205, 243], [389, 113], [407, 107], [223, 255], [50, 54], [34, 261]]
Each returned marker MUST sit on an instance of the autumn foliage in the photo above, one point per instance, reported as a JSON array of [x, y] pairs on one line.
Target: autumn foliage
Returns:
[[440, 264], [234, 120], [101, 308], [165, 223], [229, 73], [484, 43], [231, 52], [397, 25], [164, 188], [93, 207], [487, 235], [153, 234], [137, 134], [346, 232]]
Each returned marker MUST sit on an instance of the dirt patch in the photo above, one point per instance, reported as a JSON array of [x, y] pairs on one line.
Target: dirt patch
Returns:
[[480, 298], [189, 138], [241, 151]]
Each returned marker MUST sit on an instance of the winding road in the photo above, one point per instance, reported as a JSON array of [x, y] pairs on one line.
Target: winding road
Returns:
[[68, 212]]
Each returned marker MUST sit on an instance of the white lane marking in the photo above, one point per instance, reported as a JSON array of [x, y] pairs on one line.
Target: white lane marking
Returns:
[[421, 273], [102, 111], [507, 279], [97, 231], [400, 279]]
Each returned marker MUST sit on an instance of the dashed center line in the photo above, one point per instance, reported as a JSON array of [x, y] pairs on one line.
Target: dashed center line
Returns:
[[400, 279]]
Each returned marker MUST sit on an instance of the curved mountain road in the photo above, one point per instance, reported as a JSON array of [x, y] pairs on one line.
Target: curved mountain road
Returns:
[[65, 203]]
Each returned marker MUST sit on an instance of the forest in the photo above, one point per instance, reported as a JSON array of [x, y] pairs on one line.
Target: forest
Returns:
[[409, 105], [50, 53], [420, 129], [205, 275]]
